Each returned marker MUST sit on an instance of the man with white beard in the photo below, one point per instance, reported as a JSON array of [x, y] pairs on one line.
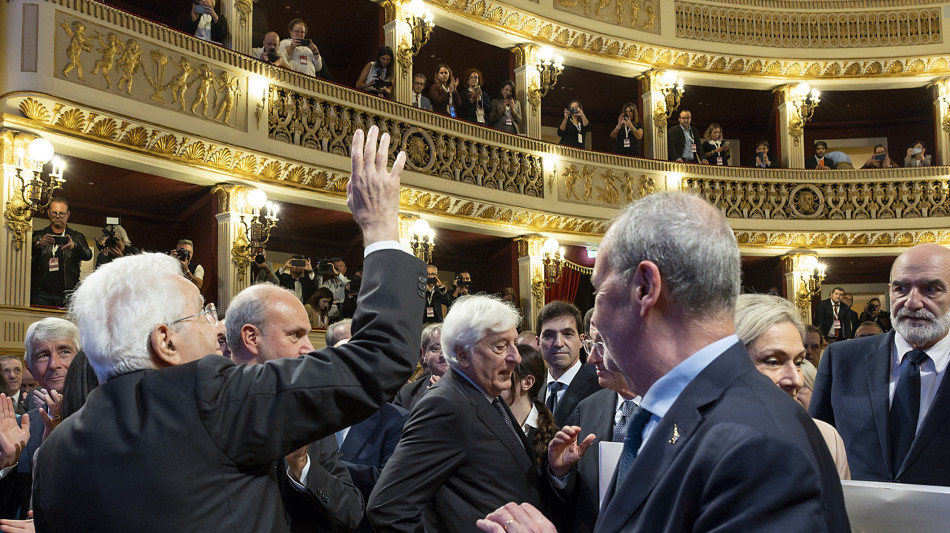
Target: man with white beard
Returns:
[[886, 394]]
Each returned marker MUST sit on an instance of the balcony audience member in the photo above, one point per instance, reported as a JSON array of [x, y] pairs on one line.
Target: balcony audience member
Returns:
[[628, 132], [58, 252], [268, 51], [506, 110], [265, 323], [162, 404], [462, 455], [527, 380], [419, 85], [873, 313], [433, 364], [297, 275], [444, 93], [771, 330], [377, 76], [715, 150], [880, 159], [461, 286], [318, 308], [114, 243], [682, 139], [474, 105], [301, 53], [204, 22], [917, 156], [262, 271], [185, 253], [819, 161], [574, 126], [335, 279], [761, 157], [839, 159], [436, 296]]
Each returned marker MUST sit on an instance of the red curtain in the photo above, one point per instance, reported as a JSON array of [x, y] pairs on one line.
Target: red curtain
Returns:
[[566, 287]]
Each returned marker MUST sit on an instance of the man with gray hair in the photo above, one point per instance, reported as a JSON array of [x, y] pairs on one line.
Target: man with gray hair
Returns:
[[338, 331], [175, 441], [700, 450], [462, 454]]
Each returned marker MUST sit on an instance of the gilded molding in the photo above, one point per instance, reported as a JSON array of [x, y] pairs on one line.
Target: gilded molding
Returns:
[[541, 30], [530, 245], [819, 240], [807, 29], [603, 186], [640, 15], [327, 125]]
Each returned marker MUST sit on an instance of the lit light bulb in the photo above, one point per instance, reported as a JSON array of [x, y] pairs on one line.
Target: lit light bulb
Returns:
[[41, 150], [256, 198]]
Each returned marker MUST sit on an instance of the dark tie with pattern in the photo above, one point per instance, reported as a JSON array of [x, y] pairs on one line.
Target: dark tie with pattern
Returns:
[[905, 409], [504, 414], [626, 414], [631, 444], [553, 389]]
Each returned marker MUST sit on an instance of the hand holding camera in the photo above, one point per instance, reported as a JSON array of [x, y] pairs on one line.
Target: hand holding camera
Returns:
[[182, 255]]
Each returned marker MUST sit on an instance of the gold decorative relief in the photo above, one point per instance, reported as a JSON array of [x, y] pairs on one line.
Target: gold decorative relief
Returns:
[[819, 240], [636, 14], [204, 90]]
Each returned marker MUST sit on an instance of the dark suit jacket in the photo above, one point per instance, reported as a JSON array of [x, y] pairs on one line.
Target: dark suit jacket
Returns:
[[331, 502], [308, 286], [733, 453], [595, 414], [676, 141], [811, 162], [368, 447], [825, 317], [410, 393], [851, 393], [457, 462], [583, 385], [193, 447]]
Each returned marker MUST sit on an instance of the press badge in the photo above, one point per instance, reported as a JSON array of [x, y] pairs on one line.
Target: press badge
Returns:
[[580, 138], [626, 143], [430, 312], [719, 160], [480, 115], [692, 147], [452, 111], [54, 264]]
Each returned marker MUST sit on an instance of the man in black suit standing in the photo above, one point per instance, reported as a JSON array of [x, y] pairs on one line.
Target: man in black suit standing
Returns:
[[462, 453], [701, 449], [819, 161], [848, 299], [887, 395], [683, 140], [569, 381], [173, 440], [267, 322], [833, 317]]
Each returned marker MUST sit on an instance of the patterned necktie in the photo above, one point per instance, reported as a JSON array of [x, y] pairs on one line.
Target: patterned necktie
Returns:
[[553, 389], [631, 444], [504, 414], [905, 409], [620, 429]]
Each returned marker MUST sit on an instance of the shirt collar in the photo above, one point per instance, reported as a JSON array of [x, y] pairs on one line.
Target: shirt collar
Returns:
[[487, 397], [567, 377], [636, 400], [663, 394], [939, 353]]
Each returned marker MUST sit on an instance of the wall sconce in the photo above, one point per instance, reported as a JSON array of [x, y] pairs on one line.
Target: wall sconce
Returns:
[[258, 86], [809, 273], [36, 190], [670, 85], [549, 66], [804, 99], [944, 98], [552, 265], [422, 240], [420, 23], [257, 223]]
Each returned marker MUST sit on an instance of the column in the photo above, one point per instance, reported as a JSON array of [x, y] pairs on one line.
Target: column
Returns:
[[233, 254], [654, 117], [399, 38], [791, 129], [795, 290], [405, 224], [531, 277], [16, 231], [238, 13], [526, 79], [941, 114]]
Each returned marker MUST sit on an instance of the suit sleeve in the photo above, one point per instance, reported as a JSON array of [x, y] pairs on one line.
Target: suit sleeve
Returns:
[[820, 406], [366, 476], [257, 414], [671, 146], [425, 458], [331, 502]]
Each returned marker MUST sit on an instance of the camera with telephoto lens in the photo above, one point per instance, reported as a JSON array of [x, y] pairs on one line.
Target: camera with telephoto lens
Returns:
[[259, 259], [183, 254], [272, 57], [109, 232], [325, 266]]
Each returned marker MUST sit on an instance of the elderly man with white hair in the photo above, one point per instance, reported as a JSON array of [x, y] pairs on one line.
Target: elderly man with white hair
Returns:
[[173, 440], [461, 456]]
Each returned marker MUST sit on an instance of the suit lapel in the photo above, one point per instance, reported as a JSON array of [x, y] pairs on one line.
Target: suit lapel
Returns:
[[358, 436], [878, 365], [936, 419]]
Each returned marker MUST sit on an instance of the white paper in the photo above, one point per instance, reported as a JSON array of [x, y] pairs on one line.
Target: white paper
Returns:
[[609, 455], [875, 507]]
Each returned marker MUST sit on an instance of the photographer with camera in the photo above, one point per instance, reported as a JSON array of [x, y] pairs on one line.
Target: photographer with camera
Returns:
[[57, 255], [873, 313], [917, 156], [333, 276], [377, 76], [348, 308], [474, 105], [297, 275], [204, 22], [300, 53], [268, 52], [185, 253], [462, 286], [880, 159], [262, 271], [436, 296], [113, 243], [574, 126]]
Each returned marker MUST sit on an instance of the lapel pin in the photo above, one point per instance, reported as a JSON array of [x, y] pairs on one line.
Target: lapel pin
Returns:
[[676, 434]]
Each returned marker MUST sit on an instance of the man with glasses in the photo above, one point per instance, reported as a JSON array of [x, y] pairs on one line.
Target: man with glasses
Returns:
[[174, 440], [462, 454], [683, 139], [302, 54], [58, 252]]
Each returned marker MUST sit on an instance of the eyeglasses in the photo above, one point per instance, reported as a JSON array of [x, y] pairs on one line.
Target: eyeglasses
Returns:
[[210, 312], [58, 214], [591, 345]]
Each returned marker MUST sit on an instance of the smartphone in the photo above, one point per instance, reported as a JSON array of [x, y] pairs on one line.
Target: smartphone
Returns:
[[298, 262], [61, 240], [880, 157], [917, 150], [304, 42]]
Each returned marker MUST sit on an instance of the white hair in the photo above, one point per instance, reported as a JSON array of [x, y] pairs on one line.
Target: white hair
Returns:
[[337, 327], [690, 242], [756, 313], [117, 307], [471, 319], [249, 307], [46, 330]]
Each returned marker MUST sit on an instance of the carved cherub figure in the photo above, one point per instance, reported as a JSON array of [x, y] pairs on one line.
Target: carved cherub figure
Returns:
[[179, 83], [205, 84], [229, 89], [129, 64], [78, 43], [111, 49]]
